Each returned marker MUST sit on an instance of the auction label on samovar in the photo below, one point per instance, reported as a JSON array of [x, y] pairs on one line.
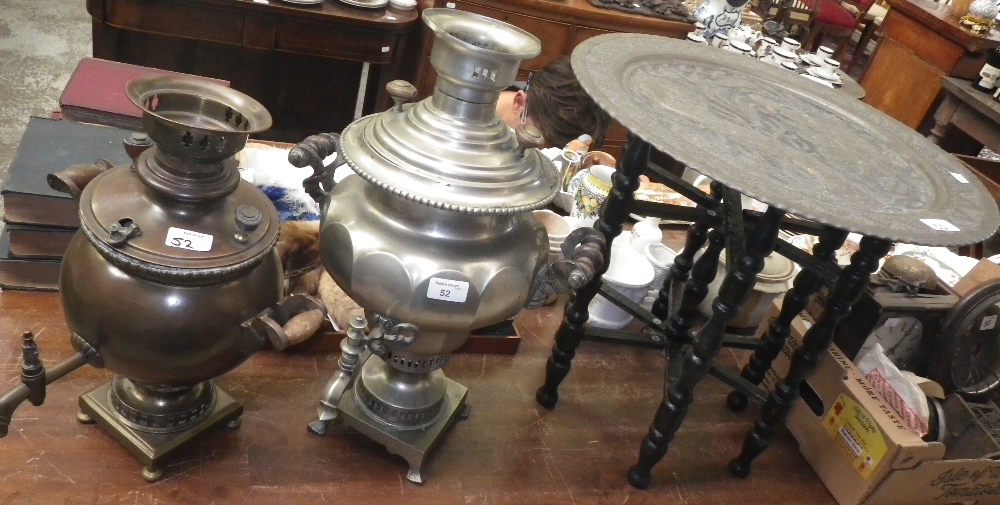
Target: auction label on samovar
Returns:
[[447, 290], [190, 240]]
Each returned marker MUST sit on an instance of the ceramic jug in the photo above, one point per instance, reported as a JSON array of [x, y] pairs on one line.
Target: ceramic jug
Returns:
[[589, 192], [719, 16]]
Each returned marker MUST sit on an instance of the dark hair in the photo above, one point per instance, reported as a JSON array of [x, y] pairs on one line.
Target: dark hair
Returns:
[[561, 109]]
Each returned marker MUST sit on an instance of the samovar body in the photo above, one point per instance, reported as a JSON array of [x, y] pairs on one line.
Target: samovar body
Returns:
[[173, 278], [433, 236]]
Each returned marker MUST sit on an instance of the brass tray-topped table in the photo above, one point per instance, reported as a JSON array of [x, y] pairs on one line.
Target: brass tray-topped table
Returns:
[[803, 150]]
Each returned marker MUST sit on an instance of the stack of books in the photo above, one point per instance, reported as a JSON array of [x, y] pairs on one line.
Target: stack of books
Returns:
[[39, 222]]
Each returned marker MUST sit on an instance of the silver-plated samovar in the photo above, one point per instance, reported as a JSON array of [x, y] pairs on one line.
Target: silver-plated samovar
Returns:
[[434, 236], [173, 278]]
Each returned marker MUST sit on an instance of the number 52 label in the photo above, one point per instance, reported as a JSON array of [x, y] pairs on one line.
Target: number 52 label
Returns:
[[447, 290], [190, 240]]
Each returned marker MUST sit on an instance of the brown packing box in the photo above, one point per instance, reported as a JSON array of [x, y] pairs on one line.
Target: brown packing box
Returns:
[[860, 448]]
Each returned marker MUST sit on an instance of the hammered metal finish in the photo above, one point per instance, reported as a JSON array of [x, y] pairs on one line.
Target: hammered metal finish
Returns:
[[778, 138]]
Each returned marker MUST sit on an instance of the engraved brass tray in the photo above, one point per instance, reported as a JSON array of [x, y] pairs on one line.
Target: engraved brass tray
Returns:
[[774, 136]]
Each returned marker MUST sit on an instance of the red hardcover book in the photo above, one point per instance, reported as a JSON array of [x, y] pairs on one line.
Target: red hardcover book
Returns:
[[95, 93]]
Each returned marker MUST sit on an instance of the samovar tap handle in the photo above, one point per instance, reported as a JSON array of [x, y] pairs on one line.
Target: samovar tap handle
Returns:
[[353, 354], [35, 379], [311, 152]]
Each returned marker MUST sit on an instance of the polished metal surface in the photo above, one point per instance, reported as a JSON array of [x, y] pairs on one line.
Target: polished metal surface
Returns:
[[402, 399], [412, 445], [173, 268], [776, 137], [452, 151], [386, 253], [154, 449], [435, 238]]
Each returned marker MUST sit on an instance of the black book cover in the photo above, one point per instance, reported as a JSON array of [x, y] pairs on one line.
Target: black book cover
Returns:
[[38, 242], [50, 145], [25, 274]]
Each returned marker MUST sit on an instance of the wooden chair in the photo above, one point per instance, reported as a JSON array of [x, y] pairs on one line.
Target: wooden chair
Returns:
[[796, 16], [871, 25], [838, 18]]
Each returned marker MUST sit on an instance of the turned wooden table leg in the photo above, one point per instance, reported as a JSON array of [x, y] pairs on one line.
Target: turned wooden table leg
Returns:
[[846, 291], [735, 290], [942, 119], [613, 214], [795, 301]]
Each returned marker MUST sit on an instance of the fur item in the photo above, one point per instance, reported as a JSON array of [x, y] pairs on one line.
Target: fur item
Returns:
[[298, 248], [340, 306]]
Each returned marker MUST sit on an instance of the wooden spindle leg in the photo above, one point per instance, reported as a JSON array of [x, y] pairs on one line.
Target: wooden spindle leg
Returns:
[[697, 233], [846, 291], [612, 216], [806, 283], [734, 292]]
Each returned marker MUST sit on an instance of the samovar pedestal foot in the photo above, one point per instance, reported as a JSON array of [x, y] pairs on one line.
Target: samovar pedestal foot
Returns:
[[412, 445], [153, 449]]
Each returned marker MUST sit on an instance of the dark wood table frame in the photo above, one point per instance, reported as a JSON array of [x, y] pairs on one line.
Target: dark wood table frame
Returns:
[[305, 63], [719, 223]]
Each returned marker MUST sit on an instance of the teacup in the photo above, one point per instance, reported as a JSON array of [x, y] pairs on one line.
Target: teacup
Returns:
[[699, 29], [823, 52], [790, 44], [828, 68], [738, 47], [694, 37], [767, 44], [720, 40], [781, 55]]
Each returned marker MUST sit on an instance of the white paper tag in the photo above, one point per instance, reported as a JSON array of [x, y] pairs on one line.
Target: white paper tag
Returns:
[[447, 290], [940, 224], [959, 177], [190, 240], [450, 5], [989, 322], [265, 2]]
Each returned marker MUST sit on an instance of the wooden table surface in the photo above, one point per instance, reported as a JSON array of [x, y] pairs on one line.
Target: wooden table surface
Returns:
[[510, 450]]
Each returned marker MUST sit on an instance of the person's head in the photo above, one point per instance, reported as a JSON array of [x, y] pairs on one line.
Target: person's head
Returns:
[[558, 106]]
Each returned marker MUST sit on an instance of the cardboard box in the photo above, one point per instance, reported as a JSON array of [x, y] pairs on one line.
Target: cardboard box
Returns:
[[860, 447]]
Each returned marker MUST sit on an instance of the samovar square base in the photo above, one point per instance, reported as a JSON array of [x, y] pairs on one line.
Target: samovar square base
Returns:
[[152, 449], [411, 445]]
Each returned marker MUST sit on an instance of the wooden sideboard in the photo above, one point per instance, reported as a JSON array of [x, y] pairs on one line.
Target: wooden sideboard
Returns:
[[560, 24], [305, 63], [922, 42]]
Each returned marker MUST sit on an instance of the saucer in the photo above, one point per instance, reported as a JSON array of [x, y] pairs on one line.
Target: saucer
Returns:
[[816, 72]]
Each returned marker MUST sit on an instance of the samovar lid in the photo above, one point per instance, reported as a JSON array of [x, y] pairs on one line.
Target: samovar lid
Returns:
[[451, 150], [182, 204]]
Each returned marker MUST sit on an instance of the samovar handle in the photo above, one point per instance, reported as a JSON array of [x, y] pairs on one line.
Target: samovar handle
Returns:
[[310, 153]]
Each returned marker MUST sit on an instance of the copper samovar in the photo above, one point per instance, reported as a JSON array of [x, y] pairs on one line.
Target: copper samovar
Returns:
[[173, 278]]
